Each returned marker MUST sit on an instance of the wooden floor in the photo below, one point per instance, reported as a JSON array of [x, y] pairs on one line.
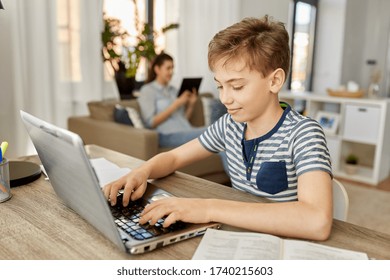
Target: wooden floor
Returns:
[[384, 185]]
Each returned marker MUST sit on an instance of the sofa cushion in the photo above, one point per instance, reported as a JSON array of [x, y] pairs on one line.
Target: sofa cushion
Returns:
[[104, 110], [121, 115], [135, 117], [127, 115], [213, 109]]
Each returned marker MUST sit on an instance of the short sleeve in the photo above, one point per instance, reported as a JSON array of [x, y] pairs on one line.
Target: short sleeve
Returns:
[[213, 138], [310, 151]]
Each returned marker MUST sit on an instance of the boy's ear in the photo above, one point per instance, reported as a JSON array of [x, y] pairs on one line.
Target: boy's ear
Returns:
[[277, 79]]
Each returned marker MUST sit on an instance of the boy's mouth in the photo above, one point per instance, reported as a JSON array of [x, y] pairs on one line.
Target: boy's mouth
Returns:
[[233, 110]]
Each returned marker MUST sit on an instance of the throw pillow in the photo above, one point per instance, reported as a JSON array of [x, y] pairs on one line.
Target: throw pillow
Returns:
[[217, 110], [213, 109], [135, 117], [121, 115]]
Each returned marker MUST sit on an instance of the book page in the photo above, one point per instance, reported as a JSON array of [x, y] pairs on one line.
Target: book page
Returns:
[[304, 250], [230, 245]]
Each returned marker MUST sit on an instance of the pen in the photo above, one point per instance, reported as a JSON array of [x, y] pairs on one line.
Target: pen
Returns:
[[1, 155], [4, 146]]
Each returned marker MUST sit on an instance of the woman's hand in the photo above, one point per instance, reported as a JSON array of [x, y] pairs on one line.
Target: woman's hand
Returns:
[[134, 184], [183, 99], [193, 97], [189, 210]]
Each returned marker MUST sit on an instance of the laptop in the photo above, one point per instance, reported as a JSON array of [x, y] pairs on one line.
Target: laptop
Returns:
[[74, 180], [189, 84]]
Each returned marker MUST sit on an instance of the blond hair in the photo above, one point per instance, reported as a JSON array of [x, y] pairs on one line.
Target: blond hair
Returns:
[[262, 43]]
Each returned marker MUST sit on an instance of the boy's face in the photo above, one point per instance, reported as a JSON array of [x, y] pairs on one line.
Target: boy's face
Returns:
[[245, 93]]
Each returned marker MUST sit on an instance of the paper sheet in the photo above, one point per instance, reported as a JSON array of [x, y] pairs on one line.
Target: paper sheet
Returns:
[[106, 171]]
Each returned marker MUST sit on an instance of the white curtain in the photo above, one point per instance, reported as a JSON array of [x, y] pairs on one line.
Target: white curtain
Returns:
[[199, 21], [30, 75]]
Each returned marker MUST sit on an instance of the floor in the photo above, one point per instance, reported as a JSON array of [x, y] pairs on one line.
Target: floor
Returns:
[[369, 206], [384, 185]]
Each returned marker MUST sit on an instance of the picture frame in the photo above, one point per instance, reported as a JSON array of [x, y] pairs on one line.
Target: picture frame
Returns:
[[329, 121]]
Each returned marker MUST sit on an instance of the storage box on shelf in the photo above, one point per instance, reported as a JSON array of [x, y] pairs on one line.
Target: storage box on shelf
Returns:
[[361, 129]]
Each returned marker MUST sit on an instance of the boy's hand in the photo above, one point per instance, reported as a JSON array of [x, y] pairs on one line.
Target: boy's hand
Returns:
[[189, 210], [134, 184]]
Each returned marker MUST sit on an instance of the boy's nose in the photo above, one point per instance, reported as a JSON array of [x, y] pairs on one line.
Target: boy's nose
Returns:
[[225, 97]]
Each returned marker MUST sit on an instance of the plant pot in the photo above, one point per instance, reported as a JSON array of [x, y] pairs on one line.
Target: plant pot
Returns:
[[351, 168], [125, 85]]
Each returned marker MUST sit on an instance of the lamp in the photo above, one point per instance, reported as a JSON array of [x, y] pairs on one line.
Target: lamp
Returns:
[[1, 6]]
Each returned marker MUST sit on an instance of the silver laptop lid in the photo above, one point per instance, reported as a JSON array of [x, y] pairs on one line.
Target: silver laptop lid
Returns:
[[71, 175]]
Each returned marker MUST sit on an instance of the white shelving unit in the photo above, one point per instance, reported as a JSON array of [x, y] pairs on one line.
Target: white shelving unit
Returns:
[[363, 129]]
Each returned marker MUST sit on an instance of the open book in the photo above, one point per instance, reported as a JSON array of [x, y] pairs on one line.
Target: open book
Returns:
[[230, 245]]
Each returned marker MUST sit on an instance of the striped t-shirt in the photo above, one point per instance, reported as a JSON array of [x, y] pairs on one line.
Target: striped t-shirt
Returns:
[[275, 160]]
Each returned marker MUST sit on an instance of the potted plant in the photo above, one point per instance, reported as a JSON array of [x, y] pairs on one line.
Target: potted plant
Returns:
[[125, 58], [351, 162]]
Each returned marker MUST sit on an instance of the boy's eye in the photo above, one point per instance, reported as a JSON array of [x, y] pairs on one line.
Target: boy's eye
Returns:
[[237, 88], [219, 87]]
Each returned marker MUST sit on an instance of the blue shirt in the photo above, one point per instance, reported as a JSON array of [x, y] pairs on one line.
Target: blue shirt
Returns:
[[269, 166], [154, 99]]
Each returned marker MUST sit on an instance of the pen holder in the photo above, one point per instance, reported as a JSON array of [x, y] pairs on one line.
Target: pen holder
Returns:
[[5, 189]]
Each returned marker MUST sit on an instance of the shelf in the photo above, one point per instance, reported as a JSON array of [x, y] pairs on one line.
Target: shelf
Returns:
[[365, 142], [362, 130], [364, 174]]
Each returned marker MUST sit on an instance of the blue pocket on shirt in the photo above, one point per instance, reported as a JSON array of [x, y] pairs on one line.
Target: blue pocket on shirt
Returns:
[[272, 177]]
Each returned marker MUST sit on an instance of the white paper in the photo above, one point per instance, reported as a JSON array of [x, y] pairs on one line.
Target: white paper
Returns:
[[44, 172], [229, 245], [107, 171]]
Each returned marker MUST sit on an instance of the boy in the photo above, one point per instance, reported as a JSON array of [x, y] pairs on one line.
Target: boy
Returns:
[[272, 151]]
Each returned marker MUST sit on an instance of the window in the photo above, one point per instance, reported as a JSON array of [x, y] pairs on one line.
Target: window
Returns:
[[68, 35], [302, 49], [133, 14]]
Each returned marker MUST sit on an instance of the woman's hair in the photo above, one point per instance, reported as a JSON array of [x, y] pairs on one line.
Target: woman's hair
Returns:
[[262, 43], [157, 61]]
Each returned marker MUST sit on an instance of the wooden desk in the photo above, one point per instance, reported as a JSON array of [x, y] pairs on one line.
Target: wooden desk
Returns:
[[35, 224]]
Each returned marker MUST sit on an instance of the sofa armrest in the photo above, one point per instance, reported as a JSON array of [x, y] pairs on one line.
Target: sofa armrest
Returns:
[[139, 143]]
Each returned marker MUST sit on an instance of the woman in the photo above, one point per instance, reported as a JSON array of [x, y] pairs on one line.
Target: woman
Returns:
[[161, 109]]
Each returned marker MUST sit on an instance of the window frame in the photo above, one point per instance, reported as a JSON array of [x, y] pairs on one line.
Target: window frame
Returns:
[[311, 74]]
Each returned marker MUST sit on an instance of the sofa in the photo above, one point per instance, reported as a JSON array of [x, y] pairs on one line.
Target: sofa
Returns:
[[100, 128]]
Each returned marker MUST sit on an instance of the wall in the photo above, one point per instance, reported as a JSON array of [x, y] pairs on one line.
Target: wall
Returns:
[[329, 45], [368, 26], [258, 8]]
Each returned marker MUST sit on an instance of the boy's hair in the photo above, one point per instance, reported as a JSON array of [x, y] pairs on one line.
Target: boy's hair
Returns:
[[262, 43]]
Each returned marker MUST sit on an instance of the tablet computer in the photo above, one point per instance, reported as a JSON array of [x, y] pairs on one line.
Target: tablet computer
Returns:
[[189, 83]]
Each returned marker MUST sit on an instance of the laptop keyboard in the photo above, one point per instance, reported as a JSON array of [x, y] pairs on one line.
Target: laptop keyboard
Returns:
[[127, 218]]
